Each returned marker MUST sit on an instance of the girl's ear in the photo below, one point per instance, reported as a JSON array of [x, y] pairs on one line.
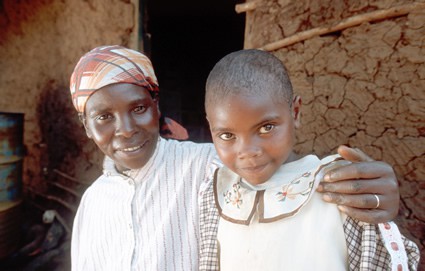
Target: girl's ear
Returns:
[[296, 111], [84, 121]]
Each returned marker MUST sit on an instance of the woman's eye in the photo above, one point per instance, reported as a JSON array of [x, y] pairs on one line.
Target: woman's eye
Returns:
[[226, 136], [140, 109], [266, 128], [103, 117]]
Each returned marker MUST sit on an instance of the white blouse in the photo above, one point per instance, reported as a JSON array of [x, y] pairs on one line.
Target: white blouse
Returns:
[[147, 220]]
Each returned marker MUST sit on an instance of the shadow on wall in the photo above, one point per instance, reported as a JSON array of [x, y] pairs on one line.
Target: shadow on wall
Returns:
[[61, 131]]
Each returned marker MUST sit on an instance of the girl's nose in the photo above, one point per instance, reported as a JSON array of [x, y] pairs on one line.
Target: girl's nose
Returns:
[[248, 149]]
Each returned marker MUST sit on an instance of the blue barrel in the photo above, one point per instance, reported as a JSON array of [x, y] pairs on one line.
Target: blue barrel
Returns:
[[11, 217], [11, 158], [11, 155]]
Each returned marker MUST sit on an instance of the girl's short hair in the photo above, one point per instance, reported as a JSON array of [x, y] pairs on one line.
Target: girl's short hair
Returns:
[[252, 72]]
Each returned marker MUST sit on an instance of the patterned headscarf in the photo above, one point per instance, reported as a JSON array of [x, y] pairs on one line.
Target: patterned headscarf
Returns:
[[107, 65]]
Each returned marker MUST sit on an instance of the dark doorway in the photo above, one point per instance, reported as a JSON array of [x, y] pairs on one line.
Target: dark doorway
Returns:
[[184, 40]]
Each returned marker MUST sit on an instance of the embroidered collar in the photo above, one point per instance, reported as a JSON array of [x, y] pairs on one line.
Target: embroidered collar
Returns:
[[283, 195]]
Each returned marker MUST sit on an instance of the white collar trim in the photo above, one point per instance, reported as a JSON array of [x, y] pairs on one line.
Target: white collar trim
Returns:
[[283, 195]]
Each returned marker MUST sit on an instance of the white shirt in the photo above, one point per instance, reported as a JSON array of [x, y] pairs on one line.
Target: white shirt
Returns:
[[148, 221]]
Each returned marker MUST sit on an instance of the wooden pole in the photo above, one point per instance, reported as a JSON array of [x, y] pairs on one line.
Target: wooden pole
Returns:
[[69, 178], [246, 7], [54, 198], [349, 22], [65, 188]]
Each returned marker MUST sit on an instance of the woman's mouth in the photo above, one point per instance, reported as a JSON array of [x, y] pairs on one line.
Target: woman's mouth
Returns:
[[131, 149]]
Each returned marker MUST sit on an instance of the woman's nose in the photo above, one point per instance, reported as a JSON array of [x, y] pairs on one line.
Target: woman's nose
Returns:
[[125, 126]]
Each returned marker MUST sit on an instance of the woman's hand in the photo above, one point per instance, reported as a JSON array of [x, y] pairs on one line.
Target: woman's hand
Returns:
[[353, 187]]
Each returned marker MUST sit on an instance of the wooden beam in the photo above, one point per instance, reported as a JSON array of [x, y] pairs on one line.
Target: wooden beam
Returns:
[[53, 198], [245, 7], [65, 188], [69, 178], [349, 22]]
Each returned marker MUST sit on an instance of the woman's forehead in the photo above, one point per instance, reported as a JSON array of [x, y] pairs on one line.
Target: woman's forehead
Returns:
[[117, 95]]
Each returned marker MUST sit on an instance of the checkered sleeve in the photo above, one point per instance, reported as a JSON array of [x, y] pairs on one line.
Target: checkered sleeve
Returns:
[[413, 253], [378, 247], [209, 219]]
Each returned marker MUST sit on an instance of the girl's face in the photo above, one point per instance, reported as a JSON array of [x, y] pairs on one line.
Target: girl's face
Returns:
[[123, 121], [253, 135]]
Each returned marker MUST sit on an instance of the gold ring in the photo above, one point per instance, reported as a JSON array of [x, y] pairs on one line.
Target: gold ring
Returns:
[[377, 201]]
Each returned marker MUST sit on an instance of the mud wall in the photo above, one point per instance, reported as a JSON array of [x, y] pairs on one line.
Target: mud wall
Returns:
[[363, 86], [40, 43]]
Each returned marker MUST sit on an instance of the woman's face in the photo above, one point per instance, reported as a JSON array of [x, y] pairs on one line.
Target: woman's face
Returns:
[[123, 121]]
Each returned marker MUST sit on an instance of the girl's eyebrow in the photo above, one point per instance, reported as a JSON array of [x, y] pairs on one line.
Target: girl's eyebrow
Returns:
[[267, 119], [220, 129]]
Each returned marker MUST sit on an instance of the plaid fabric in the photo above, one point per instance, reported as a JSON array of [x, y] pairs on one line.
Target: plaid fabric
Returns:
[[108, 65], [209, 218], [366, 250]]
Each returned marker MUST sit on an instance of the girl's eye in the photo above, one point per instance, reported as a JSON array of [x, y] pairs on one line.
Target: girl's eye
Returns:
[[266, 128], [226, 136], [140, 109]]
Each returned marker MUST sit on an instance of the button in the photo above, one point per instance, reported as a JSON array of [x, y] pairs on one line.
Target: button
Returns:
[[130, 226]]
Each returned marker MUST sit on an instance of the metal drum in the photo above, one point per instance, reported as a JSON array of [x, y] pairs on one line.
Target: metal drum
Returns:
[[11, 158], [10, 227], [11, 155]]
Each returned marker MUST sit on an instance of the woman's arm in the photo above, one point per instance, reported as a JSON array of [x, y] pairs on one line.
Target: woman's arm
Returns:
[[353, 187]]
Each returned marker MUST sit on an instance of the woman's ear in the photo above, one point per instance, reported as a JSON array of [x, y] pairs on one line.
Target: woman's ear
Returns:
[[84, 121], [296, 111], [158, 110]]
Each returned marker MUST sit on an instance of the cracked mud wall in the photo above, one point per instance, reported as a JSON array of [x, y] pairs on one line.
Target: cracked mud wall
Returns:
[[40, 43], [363, 86]]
